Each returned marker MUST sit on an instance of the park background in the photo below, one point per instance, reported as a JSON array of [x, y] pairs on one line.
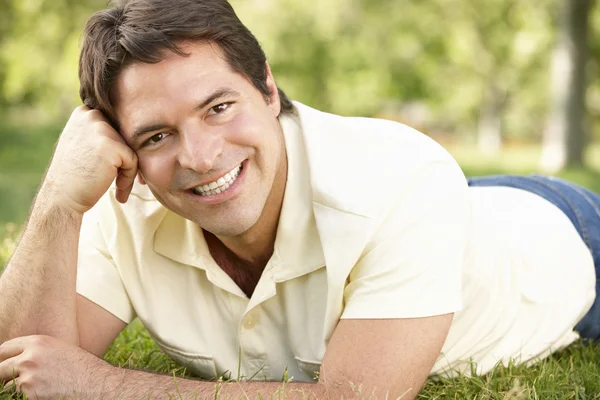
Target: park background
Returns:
[[507, 86]]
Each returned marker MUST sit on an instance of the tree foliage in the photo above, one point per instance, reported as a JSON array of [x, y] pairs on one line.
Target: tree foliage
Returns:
[[468, 64], [458, 66], [39, 51]]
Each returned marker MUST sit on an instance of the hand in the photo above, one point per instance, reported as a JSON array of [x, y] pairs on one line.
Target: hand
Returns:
[[42, 367], [89, 155]]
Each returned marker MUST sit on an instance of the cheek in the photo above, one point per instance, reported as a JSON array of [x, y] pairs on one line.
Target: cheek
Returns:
[[156, 170], [257, 131], [244, 130]]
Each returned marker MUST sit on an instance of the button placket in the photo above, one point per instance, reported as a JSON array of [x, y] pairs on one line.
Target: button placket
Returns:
[[251, 320], [253, 349]]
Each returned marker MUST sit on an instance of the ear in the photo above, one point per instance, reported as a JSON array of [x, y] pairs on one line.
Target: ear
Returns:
[[140, 179], [273, 99]]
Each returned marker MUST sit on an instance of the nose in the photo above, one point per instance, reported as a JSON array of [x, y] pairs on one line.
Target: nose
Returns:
[[199, 150]]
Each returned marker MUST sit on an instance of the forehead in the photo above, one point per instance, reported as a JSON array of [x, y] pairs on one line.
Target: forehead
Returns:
[[143, 90]]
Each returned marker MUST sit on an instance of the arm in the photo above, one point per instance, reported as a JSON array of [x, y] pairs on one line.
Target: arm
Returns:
[[38, 286], [365, 359], [45, 368], [97, 327], [390, 358]]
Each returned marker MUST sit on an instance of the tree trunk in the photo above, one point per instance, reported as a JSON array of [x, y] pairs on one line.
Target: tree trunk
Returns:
[[565, 136], [489, 129]]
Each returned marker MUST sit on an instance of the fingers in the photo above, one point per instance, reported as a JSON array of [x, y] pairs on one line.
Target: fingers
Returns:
[[125, 160], [11, 348], [12, 385], [140, 179], [127, 173], [124, 187], [8, 370], [89, 155]]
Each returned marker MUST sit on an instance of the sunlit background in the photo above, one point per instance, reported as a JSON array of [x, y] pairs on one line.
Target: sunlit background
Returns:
[[495, 81]]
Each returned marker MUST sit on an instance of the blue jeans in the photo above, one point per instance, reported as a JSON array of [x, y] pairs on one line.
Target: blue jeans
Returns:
[[583, 209]]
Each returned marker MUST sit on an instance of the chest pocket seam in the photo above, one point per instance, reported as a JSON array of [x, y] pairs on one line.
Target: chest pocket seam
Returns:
[[310, 368], [200, 364]]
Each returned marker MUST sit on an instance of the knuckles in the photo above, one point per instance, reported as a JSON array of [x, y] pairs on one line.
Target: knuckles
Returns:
[[42, 366], [40, 340], [87, 113], [29, 362], [104, 143], [86, 159], [85, 122], [80, 110]]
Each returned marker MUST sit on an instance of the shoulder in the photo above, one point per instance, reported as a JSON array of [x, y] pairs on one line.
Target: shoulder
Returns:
[[366, 166]]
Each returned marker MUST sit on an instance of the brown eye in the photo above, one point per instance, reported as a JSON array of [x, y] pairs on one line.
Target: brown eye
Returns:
[[219, 108], [156, 138]]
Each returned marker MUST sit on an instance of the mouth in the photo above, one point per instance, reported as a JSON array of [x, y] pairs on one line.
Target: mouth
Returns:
[[220, 185]]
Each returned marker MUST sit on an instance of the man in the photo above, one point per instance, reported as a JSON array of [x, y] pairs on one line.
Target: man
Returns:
[[263, 236]]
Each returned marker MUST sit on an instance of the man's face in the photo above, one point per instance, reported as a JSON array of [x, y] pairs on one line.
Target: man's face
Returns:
[[209, 144]]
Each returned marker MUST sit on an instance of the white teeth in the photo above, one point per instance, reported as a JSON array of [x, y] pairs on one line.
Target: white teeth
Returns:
[[220, 185]]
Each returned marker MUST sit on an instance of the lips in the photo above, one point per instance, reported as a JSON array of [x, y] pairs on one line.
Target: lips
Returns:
[[219, 185]]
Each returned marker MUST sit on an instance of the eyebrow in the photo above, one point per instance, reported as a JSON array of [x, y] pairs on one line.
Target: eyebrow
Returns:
[[216, 95]]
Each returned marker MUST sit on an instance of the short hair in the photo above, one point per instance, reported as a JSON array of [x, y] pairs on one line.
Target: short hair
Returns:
[[141, 30]]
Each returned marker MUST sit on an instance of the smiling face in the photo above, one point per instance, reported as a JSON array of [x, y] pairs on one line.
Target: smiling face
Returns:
[[209, 144]]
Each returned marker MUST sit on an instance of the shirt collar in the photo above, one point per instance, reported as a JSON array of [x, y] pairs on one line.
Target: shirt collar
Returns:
[[298, 248]]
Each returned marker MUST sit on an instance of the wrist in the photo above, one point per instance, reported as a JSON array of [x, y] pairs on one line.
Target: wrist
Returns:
[[113, 380], [51, 214], [104, 382], [50, 200]]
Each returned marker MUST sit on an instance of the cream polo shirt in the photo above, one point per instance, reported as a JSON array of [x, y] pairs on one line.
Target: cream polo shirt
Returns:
[[377, 222]]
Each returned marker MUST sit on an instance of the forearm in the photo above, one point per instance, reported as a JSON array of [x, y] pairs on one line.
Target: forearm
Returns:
[[130, 384], [38, 285]]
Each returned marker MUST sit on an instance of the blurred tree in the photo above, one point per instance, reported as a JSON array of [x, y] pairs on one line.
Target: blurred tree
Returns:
[[475, 66], [593, 93], [5, 28], [493, 52], [39, 52], [565, 136]]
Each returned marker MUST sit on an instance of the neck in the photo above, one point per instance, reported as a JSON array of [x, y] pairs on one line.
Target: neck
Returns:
[[256, 245]]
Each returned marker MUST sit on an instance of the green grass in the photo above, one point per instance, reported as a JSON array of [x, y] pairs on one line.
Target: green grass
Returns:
[[573, 373]]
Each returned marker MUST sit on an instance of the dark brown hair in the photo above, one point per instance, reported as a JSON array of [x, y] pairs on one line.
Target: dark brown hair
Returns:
[[141, 30]]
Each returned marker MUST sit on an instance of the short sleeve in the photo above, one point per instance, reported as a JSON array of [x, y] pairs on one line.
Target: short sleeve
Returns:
[[413, 265], [98, 279]]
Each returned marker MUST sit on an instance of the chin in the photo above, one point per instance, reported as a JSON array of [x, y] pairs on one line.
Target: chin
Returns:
[[229, 226]]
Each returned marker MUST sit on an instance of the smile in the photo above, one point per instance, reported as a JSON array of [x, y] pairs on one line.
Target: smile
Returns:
[[220, 185]]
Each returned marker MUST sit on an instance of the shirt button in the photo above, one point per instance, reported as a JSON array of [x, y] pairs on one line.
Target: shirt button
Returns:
[[249, 321]]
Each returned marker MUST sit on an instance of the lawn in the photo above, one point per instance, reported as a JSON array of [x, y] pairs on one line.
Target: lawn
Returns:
[[573, 373]]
